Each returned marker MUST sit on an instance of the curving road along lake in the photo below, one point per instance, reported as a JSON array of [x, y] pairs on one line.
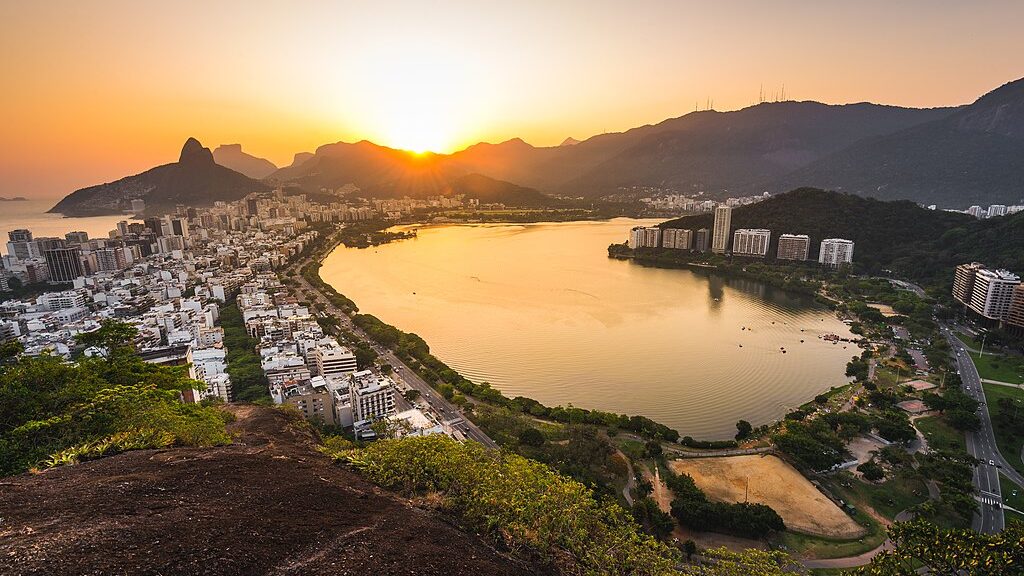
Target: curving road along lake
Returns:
[[539, 310]]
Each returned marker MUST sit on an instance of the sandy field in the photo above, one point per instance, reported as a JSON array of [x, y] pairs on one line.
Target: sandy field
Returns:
[[773, 482]]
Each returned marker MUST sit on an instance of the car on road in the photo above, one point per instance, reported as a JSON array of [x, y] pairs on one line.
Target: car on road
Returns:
[[991, 462]]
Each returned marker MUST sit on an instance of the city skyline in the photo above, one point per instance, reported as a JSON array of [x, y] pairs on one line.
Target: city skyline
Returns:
[[286, 81]]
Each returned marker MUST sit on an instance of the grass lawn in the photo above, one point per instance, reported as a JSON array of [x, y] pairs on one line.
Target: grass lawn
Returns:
[[941, 436], [1013, 496], [817, 547], [632, 448], [998, 367], [1009, 445], [967, 340], [889, 498]]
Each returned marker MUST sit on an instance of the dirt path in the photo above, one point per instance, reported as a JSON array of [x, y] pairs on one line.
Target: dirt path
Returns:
[[627, 490], [660, 492]]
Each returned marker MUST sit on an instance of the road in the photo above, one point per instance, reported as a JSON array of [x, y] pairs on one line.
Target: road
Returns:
[[982, 445], [907, 286], [446, 411]]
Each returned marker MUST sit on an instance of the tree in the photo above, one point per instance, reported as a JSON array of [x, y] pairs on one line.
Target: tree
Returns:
[[690, 548], [963, 420], [871, 471], [821, 399], [113, 336], [743, 429], [653, 449], [531, 437], [921, 547], [365, 356], [411, 394]]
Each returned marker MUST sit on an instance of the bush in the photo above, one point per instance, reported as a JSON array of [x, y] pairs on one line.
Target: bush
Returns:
[[871, 471], [56, 412], [531, 437], [522, 502]]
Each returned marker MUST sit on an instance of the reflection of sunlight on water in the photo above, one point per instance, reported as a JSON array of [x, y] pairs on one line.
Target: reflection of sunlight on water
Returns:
[[540, 310]]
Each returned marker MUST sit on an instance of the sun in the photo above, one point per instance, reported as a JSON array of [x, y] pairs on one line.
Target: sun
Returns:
[[423, 99]]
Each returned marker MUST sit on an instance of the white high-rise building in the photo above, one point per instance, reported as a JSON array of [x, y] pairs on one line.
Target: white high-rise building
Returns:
[[642, 237], [751, 242], [636, 237], [720, 233], [334, 360], [372, 396], [835, 251], [996, 210], [993, 293]]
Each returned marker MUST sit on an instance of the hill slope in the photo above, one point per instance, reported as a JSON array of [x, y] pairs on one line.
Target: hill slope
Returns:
[[268, 504], [232, 156], [194, 180], [972, 156], [724, 153], [890, 235]]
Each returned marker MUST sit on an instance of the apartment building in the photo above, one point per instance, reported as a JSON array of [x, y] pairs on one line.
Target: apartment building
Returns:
[[723, 223], [793, 247], [993, 292], [835, 251], [677, 238], [751, 242]]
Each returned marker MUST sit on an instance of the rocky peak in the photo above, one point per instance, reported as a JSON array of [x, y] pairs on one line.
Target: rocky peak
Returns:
[[194, 152]]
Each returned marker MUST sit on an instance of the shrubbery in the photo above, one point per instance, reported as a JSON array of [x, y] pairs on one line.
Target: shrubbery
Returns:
[[56, 412], [693, 509], [522, 502]]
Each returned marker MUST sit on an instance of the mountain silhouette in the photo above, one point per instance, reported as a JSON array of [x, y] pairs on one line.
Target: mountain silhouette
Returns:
[[232, 156], [194, 180]]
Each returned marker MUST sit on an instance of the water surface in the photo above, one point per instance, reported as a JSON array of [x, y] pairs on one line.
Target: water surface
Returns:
[[539, 310]]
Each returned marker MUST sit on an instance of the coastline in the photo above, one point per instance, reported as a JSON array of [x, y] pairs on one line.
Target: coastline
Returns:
[[351, 307]]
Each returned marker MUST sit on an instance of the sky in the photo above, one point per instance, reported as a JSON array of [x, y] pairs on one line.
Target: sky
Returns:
[[93, 91]]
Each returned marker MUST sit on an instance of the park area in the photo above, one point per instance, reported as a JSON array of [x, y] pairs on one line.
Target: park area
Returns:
[[769, 480]]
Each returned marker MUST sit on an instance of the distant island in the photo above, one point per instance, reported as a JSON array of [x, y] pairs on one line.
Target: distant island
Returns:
[[15, 199]]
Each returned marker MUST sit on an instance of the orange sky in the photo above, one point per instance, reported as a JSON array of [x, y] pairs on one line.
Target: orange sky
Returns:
[[95, 91]]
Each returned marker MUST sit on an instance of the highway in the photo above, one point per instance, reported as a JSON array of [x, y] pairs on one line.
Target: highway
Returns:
[[446, 411], [982, 445]]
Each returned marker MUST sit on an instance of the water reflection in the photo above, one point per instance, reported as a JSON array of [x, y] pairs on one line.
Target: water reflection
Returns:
[[541, 311]]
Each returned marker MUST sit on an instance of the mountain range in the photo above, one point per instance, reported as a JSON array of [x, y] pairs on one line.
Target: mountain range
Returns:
[[194, 180], [953, 157], [232, 156]]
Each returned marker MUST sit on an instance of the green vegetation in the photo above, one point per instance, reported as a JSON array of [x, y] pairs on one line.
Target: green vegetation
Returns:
[[1013, 496], [19, 291], [911, 242], [523, 503], [903, 490], [54, 412], [999, 368], [1006, 408], [248, 382], [940, 435], [693, 509], [921, 547], [311, 272], [822, 547]]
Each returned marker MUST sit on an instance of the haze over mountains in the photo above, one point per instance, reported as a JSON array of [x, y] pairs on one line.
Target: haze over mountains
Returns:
[[195, 179], [232, 156], [953, 157]]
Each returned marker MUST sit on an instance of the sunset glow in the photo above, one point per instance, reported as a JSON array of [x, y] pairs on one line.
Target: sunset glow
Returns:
[[282, 80]]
